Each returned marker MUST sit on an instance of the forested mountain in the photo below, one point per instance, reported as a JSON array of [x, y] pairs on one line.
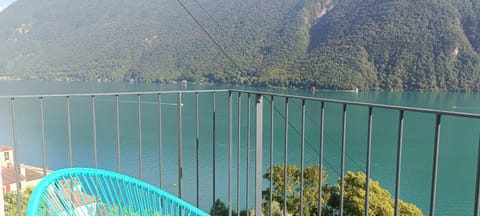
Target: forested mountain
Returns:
[[400, 44], [342, 44], [149, 40]]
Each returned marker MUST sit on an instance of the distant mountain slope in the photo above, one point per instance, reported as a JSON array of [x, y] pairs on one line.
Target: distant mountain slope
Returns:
[[400, 44], [342, 44], [148, 40]]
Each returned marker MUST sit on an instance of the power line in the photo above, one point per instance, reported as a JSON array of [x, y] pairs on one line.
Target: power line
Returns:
[[217, 44], [210, 16], [211, 37]]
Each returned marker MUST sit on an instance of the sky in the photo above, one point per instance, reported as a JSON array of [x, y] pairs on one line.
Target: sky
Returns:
[[5, 3]]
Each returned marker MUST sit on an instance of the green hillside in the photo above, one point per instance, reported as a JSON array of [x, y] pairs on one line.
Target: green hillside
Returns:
[[343, 44], [149, 40], [394, 45]]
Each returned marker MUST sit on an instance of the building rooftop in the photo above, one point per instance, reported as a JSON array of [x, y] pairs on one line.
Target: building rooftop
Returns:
[[5, 148], [32, 173]]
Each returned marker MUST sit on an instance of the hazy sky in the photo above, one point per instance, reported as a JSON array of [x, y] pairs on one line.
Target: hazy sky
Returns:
[[5, 3]]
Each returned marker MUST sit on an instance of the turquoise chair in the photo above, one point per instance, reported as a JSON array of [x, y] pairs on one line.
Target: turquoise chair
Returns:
[[84, 191]]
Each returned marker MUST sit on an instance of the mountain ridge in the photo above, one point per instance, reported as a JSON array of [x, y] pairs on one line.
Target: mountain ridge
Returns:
[[396, 45], [343, 44]]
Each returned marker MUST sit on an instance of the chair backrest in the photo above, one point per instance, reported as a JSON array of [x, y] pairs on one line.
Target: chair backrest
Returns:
[[85, 191]]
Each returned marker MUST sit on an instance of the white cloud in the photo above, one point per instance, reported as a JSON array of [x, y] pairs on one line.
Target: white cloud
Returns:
[[1, 8]]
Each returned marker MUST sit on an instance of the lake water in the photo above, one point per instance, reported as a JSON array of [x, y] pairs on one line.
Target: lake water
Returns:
[[458, 147]]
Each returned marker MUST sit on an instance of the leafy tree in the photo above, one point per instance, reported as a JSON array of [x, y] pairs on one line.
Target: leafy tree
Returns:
[[380, 200], [222, 210], [11, 202], [311, 187]]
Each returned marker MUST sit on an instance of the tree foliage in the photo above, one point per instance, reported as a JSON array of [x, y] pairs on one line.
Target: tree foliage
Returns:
[[380, 200], [222, 210], [11, 206], [396, 45], [311, 187], [419, 45], [151, 41]]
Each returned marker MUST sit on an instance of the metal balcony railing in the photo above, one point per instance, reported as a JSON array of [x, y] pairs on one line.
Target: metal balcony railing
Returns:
[[231, 138]]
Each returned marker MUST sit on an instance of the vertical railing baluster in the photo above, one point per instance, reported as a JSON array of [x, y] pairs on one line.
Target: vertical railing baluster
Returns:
[[477, 184], [239, 126], [320, 157], [180, 163], [285, 160], [247, 186], [342, 161], [436, 152], [197, 147], [94, 129], [302, 158], [272, 104], [69, 133], [399, 162], [229, 153], [258, 163], [213, 151], [15, 158], [160, 141], [369, 150], [117, 127], [258, 154], [139, 125], [42, 126]]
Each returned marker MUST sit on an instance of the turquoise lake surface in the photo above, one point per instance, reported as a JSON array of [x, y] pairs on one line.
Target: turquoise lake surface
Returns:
[[457, 157]]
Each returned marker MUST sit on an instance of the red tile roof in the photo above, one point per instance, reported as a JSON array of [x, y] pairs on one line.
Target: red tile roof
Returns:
[[5, 148], [32, 173]]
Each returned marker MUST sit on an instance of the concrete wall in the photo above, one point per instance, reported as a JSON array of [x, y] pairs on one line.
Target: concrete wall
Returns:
[[6, 161]]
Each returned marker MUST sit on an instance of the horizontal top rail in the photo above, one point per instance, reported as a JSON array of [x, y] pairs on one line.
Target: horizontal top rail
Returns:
[[364, 104], [111, 94], [384, 106]]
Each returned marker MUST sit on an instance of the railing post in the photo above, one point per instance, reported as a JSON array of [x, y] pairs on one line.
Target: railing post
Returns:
[[285, 159], [42, 127], [369, 151], [477, 184], [399, 162], [342, 160], [435, 164], [302, 158], [94, 129], [247, 186], [259, 154], [239, 127], [272, 126], [139, 123], [213, 151], [197, 148], [117, 130], [15, 153], [69, 133], [160, 141], [179, 133], [320, 157], [230, 153]]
